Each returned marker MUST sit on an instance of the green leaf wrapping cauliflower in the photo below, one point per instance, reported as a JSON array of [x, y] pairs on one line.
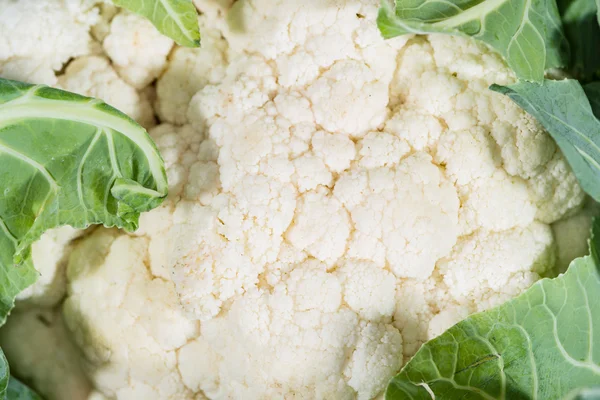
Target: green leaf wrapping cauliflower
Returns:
[[335, 201]]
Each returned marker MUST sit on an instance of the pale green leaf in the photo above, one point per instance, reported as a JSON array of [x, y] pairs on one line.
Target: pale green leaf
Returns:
[[565, 112], [543, 344], [10, 387], [66, 160], [18, 391], [177, 19], [527, 33], [4, 375], [589, 393]]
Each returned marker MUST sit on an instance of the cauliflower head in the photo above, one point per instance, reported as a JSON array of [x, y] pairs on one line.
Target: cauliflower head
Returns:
[[335, 201]]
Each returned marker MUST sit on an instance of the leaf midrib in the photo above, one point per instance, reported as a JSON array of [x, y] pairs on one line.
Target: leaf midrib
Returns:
[[473, 13], [35, 107], [28, 160], [175, 17]]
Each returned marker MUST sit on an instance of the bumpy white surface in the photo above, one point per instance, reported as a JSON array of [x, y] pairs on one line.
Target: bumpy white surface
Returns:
[[50, 256], [138, 51], [94, 76], [189, 70], [335, 201], [139, 320], [38, 37]]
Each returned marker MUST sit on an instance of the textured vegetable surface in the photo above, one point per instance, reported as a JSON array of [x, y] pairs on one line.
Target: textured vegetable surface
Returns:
[[526, 33], [177, 19], [66, 160], [543, 344], [564, 110]]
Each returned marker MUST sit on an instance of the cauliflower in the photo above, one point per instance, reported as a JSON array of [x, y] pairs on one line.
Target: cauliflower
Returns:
[[134, 353], [94, 76], [72, 60], [50, 256], [38, 37], [137, 50], [335, 201], [188, 71]]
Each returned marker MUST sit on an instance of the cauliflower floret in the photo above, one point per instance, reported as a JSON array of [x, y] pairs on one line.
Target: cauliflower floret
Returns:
[[556, 191], [188, 71], [381, 149], [470, 60], [94, 76], [369, 289], [101, 28], [349, 99], [130, 338], [294, 340], [525, 147], [378, 352], [40, 352], [409, 212], [38, 37], [50, 254], [416, 304], [321, 226], [445, 319], [137, 50], [484, 270]]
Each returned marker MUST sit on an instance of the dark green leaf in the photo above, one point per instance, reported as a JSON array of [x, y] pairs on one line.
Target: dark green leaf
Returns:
[[177, 19], [527, 33], [581, 27], [565, 112], [66, 160], [540, 345], [592, 90]]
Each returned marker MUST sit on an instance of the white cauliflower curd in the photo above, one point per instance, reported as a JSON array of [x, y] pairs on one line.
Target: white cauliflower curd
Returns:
[[335, 201]]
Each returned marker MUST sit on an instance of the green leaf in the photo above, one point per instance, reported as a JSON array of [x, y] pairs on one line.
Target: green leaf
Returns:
[[527, 33], [592, 91], [580, 22], [177, 19], [10, 387], [4, 375], [18, 391], [565, 112], [66, 160], [540, 345], [590, 393]]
